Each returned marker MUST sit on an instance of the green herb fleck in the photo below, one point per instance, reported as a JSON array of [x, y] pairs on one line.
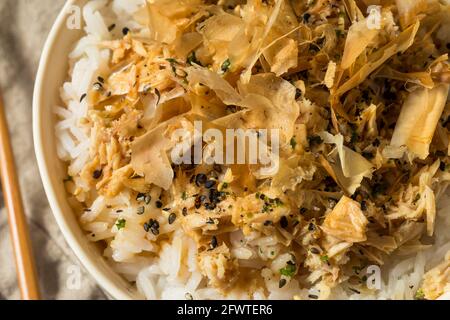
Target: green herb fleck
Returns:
[[192, 59], [226, 65], [293, 143], [420, 295], [120, 224], [289, 270]]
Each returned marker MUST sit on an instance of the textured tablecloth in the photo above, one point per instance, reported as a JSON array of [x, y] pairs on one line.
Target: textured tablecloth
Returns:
[[24, 25]]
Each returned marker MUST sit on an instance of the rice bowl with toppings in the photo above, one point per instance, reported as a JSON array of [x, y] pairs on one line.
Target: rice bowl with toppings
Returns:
[[357, 206]]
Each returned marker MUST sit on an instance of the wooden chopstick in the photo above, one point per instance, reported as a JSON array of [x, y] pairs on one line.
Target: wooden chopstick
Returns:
[[25, 266]]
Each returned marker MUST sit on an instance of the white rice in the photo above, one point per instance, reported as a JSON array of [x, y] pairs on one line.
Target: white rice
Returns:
[[175, 275]]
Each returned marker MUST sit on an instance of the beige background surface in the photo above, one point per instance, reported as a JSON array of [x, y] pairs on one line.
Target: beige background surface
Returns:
[[24, 25]]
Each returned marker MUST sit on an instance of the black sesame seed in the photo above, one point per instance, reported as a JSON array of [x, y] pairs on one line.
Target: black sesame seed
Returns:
[[210, 206], [146, 227], [200, 179], [306, 17], [376, 142], [354, 290], [98, 86], [153, 226], [363, 205], [166, 209], [210, 221], [112, 27], [314, 250], [209, 184], [140, 210], [213, 244], [125, 31], [147, 199], [282, 283], [185, 212], [311, 227], [284, 222], [268, 223], [83, 97], [198, 202], [97, 174], [140, 197], [100, 79], [159, 204], [313, 296], [172, 218]]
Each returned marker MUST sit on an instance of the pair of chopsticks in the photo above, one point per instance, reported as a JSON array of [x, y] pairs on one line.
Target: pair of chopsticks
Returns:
[[25, 267]]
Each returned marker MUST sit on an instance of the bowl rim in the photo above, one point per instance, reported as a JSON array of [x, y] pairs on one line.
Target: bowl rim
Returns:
[[44, 168]]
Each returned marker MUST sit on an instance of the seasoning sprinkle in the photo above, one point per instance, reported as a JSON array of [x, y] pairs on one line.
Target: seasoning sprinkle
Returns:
[[209, 184], [120, 224], [153, 226], [172, 218], [282, 283], [354, 290], [213, 244], [97, 174], [140, 197], [83, 96], [98, 86], [226, 65], [140, 211], [200, 179], [210, 206], [284, 223]]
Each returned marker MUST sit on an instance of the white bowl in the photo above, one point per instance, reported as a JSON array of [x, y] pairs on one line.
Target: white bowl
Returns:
[[50, 77]]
